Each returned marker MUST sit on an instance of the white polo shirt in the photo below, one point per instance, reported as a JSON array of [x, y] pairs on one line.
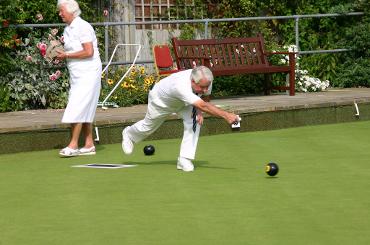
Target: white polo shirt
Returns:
[[175, 92]]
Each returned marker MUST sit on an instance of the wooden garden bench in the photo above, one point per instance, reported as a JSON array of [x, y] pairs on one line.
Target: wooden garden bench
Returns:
[[231, 56]]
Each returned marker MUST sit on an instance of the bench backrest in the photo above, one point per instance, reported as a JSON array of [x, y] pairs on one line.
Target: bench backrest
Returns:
[[228, 53]]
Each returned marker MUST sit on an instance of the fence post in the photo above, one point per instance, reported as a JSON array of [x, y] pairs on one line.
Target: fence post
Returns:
[[106, 40], [296, 28], [206, 29]]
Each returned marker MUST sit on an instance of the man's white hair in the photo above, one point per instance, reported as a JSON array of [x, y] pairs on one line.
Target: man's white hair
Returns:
[[71, 6], [201, 72]]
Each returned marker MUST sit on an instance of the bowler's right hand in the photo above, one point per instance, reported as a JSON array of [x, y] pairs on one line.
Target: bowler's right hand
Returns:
[[232, 118]]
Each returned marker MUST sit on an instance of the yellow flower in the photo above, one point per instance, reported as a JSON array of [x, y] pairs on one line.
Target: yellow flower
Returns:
[[6, 44], [151, 77], [125, 85], [110, 81], [142, 70], [147, 81]]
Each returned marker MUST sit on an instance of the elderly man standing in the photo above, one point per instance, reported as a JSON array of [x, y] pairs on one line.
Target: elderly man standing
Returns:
[[178, 93]]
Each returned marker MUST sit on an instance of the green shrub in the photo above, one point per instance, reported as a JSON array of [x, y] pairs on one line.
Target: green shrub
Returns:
[[354, 73], [133, 89], [34, 83], [25, 77], [237, 85]]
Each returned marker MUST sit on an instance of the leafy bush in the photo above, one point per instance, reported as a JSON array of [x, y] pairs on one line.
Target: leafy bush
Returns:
[[354, 68], [354, 73], [5, 103], [26, 79], [304, 81], [237, 85], [133, 89], [35, 83]]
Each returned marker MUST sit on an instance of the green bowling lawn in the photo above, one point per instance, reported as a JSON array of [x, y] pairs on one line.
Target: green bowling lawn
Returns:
[[320, 196]]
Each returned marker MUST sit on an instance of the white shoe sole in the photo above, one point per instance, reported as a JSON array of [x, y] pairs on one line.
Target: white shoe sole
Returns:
[[72, 153], [65, 155], [179, 167], [87, 153]]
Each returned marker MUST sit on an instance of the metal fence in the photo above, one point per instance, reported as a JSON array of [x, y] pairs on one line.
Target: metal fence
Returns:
[[206, 23]]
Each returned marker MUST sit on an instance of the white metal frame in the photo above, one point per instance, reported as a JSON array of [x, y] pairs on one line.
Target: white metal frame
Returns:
[[119, 82], [124, 75]]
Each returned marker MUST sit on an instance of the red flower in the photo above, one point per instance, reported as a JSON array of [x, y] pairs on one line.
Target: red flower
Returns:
[[5, 23]]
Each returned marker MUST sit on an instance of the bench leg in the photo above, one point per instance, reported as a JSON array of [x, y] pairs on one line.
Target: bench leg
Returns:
[[292, 74], [292, 83], [267, 84]]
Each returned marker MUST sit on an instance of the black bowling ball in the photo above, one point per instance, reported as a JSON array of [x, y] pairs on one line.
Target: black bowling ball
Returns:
[[272, 169], [149, 150]]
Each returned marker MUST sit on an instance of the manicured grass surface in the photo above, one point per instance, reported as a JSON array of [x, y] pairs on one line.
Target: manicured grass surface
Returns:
[[320, 196]]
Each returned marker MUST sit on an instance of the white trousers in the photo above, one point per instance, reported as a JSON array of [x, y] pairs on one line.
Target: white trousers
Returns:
[[154, 118]]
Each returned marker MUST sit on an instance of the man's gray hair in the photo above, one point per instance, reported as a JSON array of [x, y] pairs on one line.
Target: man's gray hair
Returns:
[[201, 72], [71, 6]]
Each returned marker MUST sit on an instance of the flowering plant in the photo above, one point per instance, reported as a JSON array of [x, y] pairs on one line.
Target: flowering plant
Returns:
[[133, 89], [36, 83], [304, 82]]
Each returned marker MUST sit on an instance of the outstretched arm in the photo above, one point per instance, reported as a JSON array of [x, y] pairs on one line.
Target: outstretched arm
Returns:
[[213, 110]]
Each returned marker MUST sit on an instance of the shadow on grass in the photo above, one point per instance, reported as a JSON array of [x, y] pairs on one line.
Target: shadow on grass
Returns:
[[197, 164], [271, 177]]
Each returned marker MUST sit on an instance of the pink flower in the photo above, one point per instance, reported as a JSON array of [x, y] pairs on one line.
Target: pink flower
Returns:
[[61, 39], [58, 73], [42, 47], [53, 77], [54, 31], [29, 58], [105, 12], [39, 17]]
